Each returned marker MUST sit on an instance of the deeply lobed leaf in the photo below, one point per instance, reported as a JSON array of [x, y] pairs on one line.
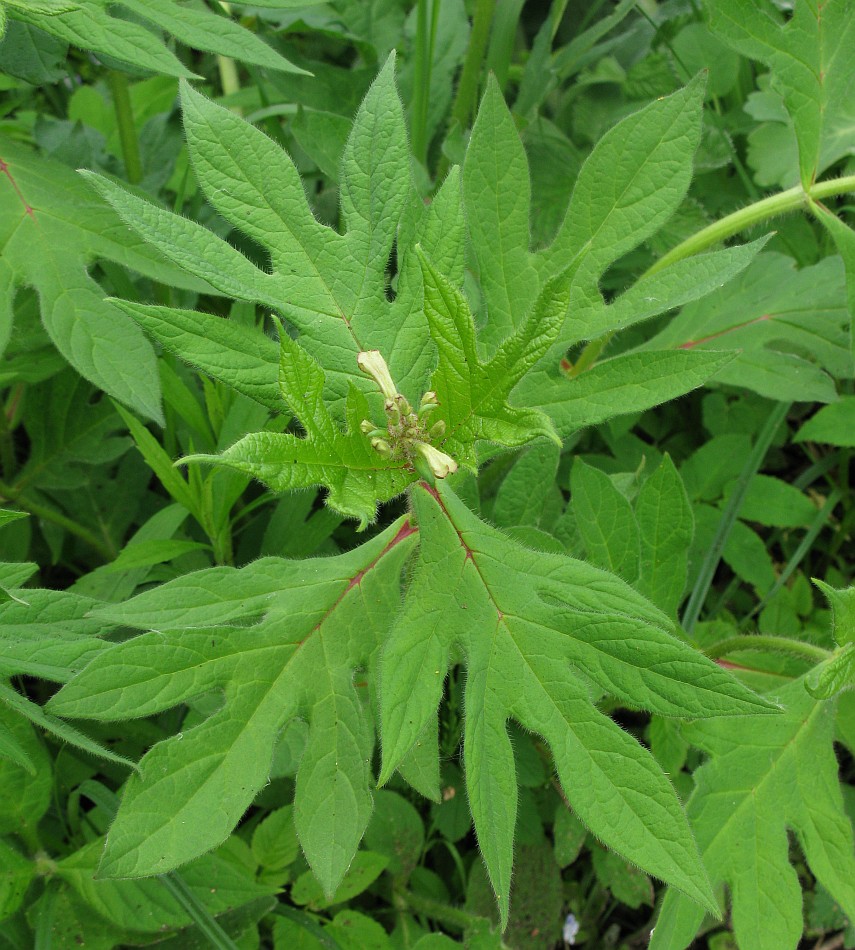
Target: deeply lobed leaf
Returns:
[[540, 632]]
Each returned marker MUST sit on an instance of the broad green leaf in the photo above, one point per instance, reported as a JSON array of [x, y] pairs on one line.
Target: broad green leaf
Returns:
[[666, 527], [524, 491], [318, 621], [52, 229], [632, 181], [772, 312], [396, 831], [606, 521], [189, 245], [473, 394], [809, 58], [497, 194], [765, 777], [331, 286], [631, 382], [204, 29], [245, 359], [50, 636], [537, 629], [833, 425], [89, 26], [770, 501], [677, 285], [356, 475]]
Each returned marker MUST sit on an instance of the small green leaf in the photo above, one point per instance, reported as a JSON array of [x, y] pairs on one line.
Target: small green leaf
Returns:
[[355, 473], [666, 527], [473, 394], [833, 675], [833, 425], [606, 521]]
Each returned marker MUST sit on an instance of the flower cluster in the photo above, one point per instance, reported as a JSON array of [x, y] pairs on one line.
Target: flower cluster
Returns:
[[408, 434]]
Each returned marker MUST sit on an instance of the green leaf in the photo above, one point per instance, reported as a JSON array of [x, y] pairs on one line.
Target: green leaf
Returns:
[[809, 58], [631, 382], [770, 501], [472, 393], [50, 636], [7, 516], [766, 776], [631, 183], [844, 239], [666, 527], [241, 357], [537, 631], [524, 491], [790, 324], [61, 730], [332, 285], [191, 246], [497, 194], [833, 675], [147, 553], [90, 27], [55, 228], [203, 29], [367, 866], [680, 283], [396, 831], [356, 475], [842, 603], [317, 621], [833, 425], [606, 521]]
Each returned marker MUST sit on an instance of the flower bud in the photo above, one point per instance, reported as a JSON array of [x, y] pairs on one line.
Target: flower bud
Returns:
[[440, 464], [437, 430], [382, 446], [372, 363]]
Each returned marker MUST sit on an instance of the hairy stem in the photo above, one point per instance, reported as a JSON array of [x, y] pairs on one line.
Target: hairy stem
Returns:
[[793, 199], [437, 910], [127, 128]]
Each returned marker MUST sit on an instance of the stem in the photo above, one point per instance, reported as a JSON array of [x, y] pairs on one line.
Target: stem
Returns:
[[467, 87], [127, 128], [437, 910], [422, 69], [774, 644], [729, 515], [784, 202], [36, 508]]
